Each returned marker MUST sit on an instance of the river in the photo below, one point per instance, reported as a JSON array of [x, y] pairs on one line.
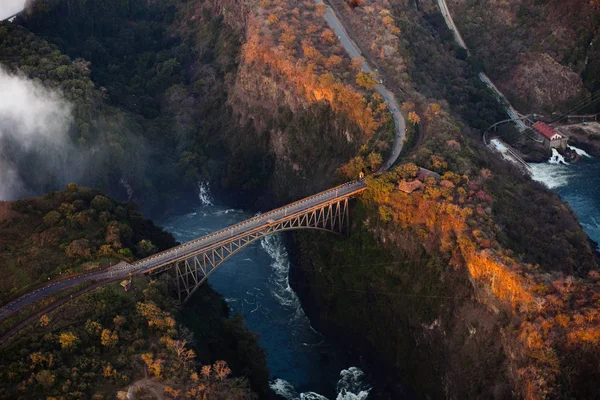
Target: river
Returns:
[[302, 363], [578, 184]]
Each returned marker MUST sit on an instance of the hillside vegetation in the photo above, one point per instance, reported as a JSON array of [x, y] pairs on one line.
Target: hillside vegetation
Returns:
[[543, 55], [466, 280], [110, 340], [107, 339], [70, 231], [193, 104]]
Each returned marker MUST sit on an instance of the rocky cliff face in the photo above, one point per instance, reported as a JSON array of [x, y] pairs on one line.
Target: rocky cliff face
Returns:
[[418, 323]]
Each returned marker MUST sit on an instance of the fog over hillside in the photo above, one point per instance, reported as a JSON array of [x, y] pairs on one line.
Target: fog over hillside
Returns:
[[34, 124], [10, 7]]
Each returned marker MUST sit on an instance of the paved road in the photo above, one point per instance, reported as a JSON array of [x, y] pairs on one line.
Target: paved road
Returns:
[[122, 270], [512, 113], [353, 51], [451, 25]]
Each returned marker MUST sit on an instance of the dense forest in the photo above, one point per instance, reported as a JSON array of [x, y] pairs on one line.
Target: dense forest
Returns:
[[469, 281], [156, 90], [69, 232]]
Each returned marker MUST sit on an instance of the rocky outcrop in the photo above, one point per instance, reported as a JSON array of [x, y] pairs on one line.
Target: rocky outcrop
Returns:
[[539, 84]]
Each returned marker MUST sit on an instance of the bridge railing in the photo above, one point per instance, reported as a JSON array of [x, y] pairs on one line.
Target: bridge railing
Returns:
[[142, 262]]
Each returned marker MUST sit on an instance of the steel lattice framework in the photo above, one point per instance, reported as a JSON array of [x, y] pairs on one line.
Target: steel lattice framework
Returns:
[[192, 270]]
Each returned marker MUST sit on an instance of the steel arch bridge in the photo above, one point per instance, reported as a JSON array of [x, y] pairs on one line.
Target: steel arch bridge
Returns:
[[193, 262]]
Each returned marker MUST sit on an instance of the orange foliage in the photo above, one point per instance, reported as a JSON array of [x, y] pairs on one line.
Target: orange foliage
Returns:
[[328, 37], [414, 118], [303, 76], [553, 316]]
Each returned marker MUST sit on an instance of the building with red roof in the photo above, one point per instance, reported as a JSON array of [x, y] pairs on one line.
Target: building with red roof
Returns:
[[551, 138]]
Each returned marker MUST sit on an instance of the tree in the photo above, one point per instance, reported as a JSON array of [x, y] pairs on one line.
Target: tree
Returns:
[[119, 321], [125, 253], [414, 118], [310, 51], [366, 80], [106, 251], [406, 171], [52, 218], [206, 370], [353, 168], [79, 249], [408, 106], [45, 378], [109, 371], [327, 37], [145, 248], [38, 358], [375, 160], [357, 63], [102, 203], [272, 19], [44, 321], [68, 340], [109, 338], [157, 318], [221, 370], [333, 61], [113, 235], [67, 209], [93, 328]]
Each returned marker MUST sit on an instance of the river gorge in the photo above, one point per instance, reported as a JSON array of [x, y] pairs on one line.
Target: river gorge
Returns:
[[302, 363]]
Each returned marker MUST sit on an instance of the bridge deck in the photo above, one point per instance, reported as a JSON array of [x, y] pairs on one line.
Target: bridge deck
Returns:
[[184, 250]]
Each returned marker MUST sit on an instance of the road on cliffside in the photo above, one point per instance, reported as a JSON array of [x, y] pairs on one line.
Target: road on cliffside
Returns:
[[354, 52]]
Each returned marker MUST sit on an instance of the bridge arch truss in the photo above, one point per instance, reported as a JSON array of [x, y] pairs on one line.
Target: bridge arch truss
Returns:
[[192, 270]]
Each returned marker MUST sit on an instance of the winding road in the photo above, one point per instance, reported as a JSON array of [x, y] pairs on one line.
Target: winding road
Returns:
[[354, 52]]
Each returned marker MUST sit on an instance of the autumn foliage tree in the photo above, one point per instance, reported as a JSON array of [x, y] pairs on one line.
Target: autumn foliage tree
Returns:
[[366, 80], [109, 338], [68, 340], [414, 118]]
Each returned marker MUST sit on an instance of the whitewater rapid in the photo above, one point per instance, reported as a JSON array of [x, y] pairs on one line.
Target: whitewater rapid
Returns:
[[577, 183]]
